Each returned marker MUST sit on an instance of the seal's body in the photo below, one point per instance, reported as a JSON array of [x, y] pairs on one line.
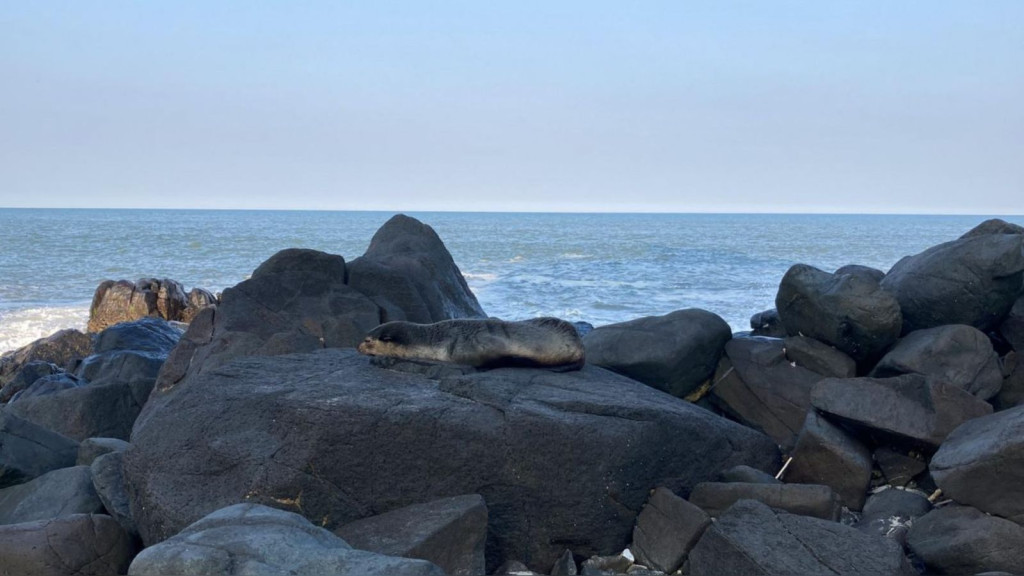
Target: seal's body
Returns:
[[483, 343]]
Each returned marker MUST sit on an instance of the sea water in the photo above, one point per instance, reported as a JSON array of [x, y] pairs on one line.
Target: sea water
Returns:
[[599, 268]]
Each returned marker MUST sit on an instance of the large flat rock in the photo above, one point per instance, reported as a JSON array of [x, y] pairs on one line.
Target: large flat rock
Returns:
[[562, 459]]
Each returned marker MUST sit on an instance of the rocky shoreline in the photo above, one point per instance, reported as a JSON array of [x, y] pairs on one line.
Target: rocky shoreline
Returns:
[[871, 423]]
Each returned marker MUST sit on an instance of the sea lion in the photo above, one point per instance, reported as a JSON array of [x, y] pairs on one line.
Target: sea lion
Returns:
[[482, 343]]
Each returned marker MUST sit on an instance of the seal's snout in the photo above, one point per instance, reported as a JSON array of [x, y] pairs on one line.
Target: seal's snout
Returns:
[[366, 346]]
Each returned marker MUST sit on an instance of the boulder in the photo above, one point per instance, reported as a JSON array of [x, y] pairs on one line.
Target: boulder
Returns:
[[758, 386], [767, 323], [60, 348], [565, 565], [108, 481], [602, 565], [993, 226], [666, 530], [751, 538], [1011, 393], [92, 448], [957, 354], [973, 281], [848, 311], [1012, 328], [28, 450], [47, 385], [75, 545], [296, 301], [675, 353], [450, 532], [409, 273], [353, 440], [819, 357], [196, 300], [254, 539], [52, 495], [144, 335], [804, 499], [744, 473], [106, 407], [825, 454], [964, 540], [120, 301], [864, 271], [891, 512], [123, 301], [981, 464], [912, 411], [899, 468], [26, 376]]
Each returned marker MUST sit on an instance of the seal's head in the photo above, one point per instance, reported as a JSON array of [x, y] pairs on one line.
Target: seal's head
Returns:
[[384, 340]]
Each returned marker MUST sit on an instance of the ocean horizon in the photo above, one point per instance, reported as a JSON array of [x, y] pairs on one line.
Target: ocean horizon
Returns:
[[598, 267]]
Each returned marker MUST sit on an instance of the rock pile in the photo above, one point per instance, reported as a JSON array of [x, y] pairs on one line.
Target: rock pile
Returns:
[[873, 425]]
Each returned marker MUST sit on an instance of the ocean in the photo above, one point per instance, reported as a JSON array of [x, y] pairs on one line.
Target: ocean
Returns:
[[599, 268]]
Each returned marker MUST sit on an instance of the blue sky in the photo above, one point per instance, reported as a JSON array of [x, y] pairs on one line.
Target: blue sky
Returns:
[[914, 106]]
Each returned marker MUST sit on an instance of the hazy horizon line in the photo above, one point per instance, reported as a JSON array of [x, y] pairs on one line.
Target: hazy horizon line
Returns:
[[568, 212]]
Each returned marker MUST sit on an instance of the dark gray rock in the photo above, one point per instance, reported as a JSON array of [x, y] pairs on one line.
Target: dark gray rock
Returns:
[[972, 281], [743, 473], [981, 464], [583, 328], [848, 311], [912, 411], [513, 567], [804, 499], [48, 385], [767, 323], [957, 354], [565, 565], [899, 468], [26, 376], [675, 353], [751, 538], [76, 545], [1012, 391], [819, 357], [601, 565], [758, 386], [119, 385], [450, 533], [666, 530], [825, 454], [409, 273], [296, 301], [858, 270], [993, 226], [60, 348], [1012, 328], [255, 539], [354, 440], [52, 495], [108, 480], [891, 512], [964, 540], [92, 448], [145, 335], [28, 450]]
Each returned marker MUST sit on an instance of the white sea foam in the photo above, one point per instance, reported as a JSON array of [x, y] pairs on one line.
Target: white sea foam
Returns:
[[21, 326], [482, 277]]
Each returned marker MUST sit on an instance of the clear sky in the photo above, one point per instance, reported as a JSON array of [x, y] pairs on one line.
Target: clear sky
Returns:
[[676, 106]]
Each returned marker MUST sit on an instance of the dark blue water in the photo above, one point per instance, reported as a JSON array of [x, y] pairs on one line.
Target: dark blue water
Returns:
[[600, 268]]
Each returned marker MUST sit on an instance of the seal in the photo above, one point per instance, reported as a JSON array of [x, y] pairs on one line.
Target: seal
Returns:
[[481, 343]]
